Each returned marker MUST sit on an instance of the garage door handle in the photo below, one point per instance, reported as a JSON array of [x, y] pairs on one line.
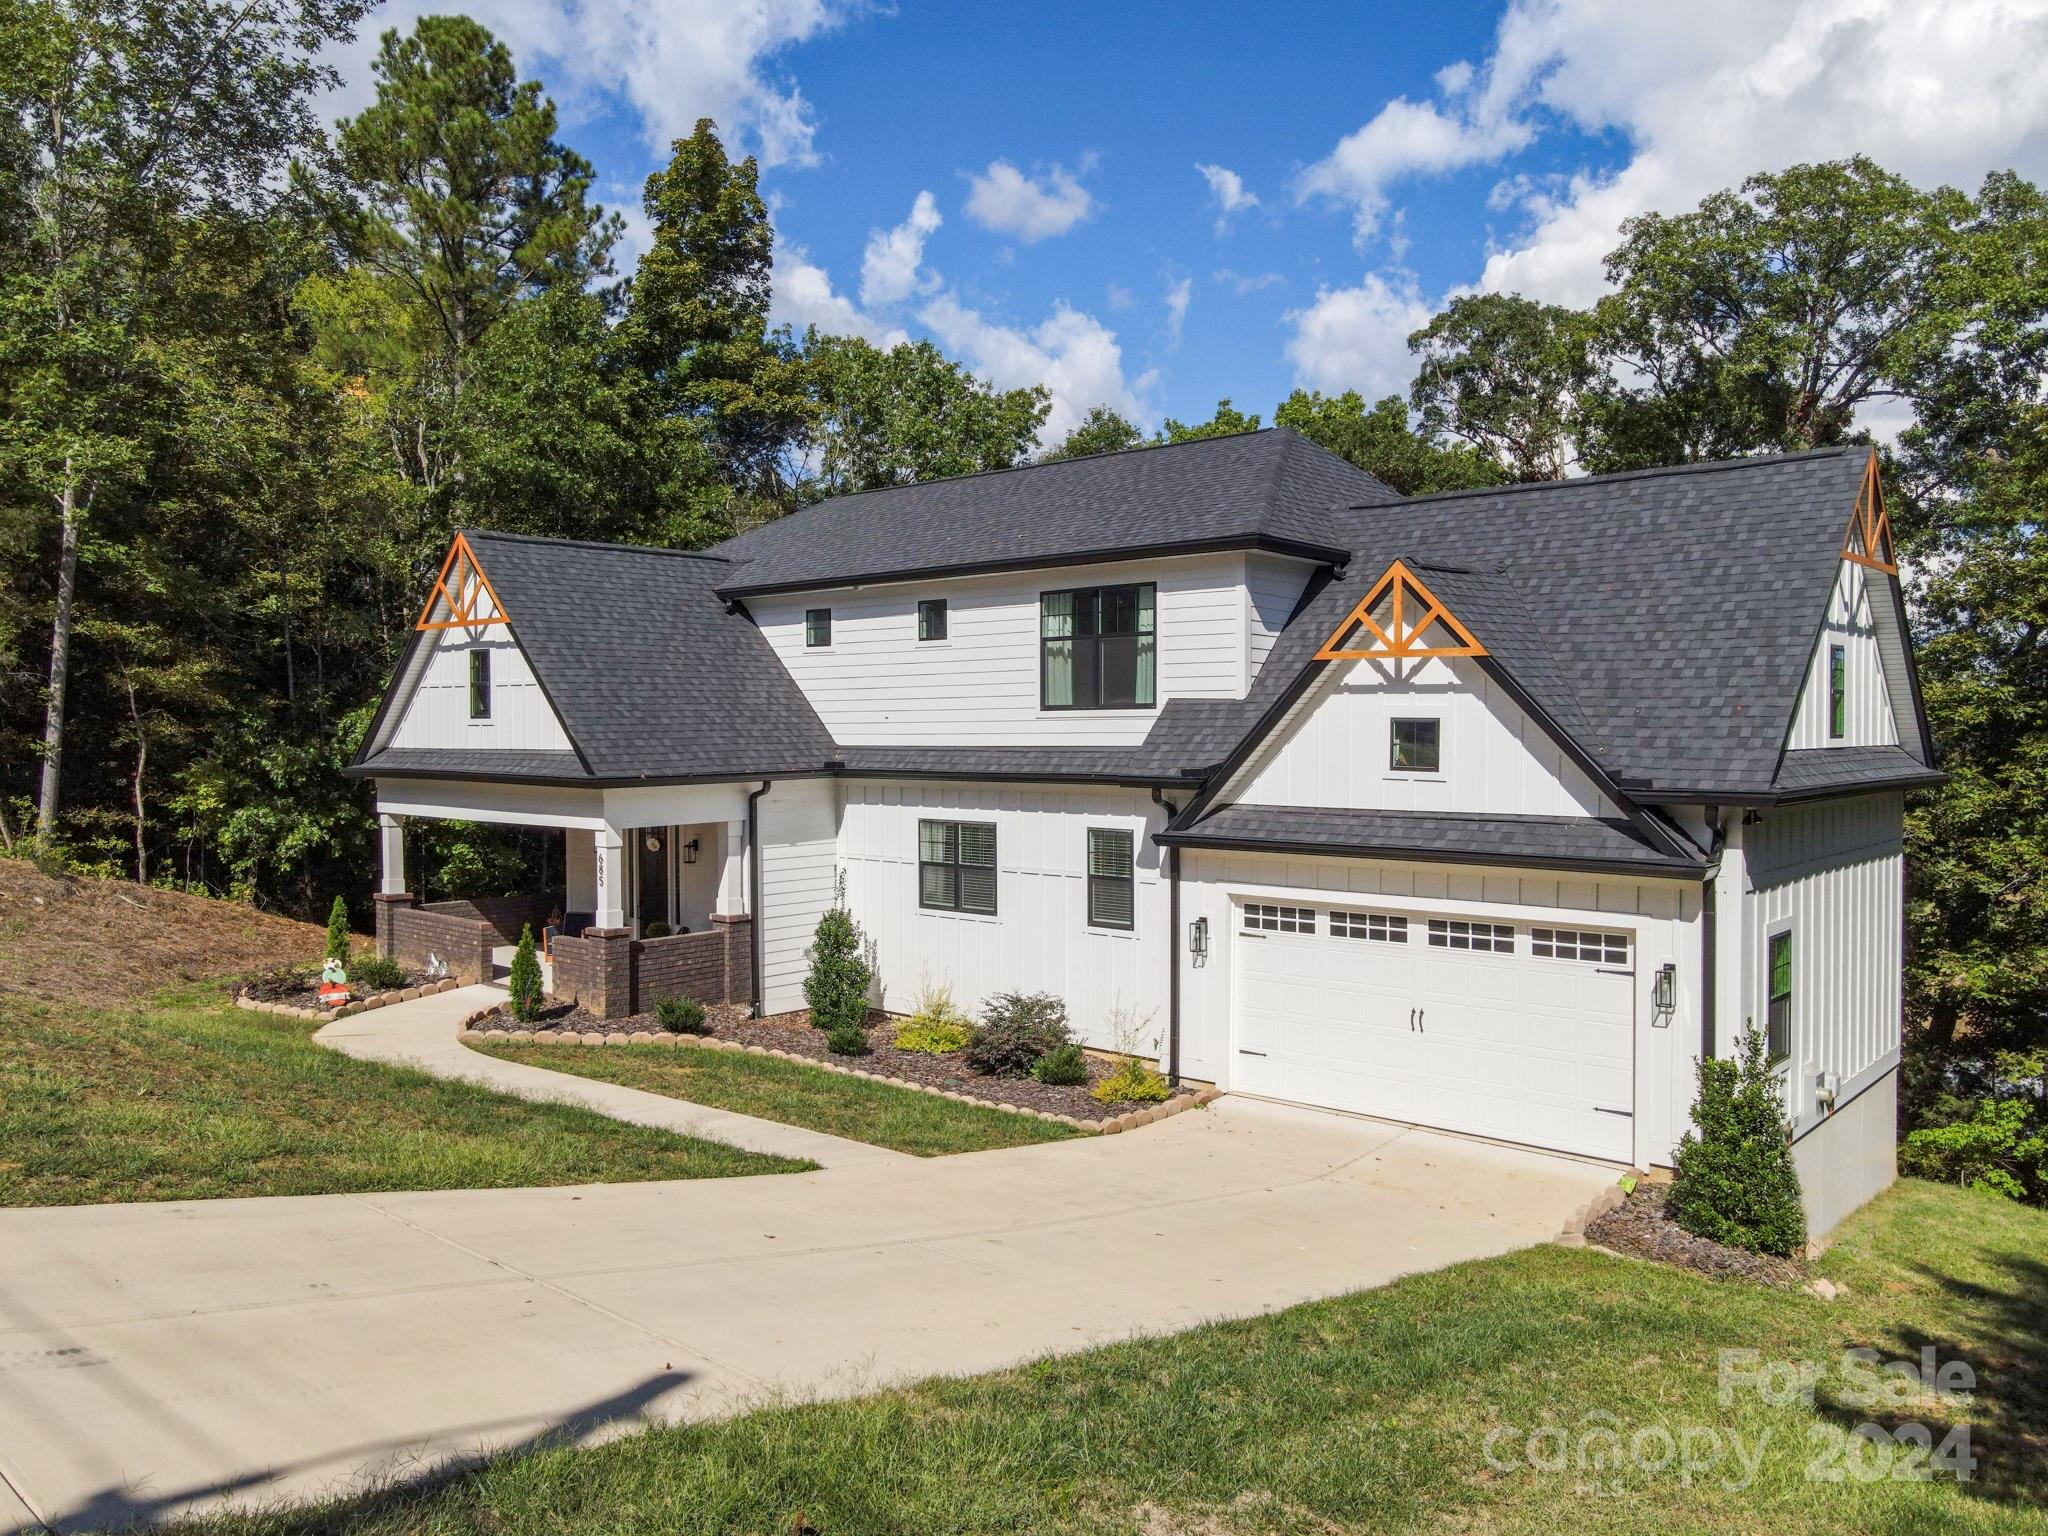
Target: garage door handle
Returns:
[[1243, 1052], [1602, 1109]]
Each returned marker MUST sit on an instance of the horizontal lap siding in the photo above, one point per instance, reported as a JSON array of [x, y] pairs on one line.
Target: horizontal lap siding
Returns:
[[1039, 938], [878, 684], [1833, 873], [1273, 585]]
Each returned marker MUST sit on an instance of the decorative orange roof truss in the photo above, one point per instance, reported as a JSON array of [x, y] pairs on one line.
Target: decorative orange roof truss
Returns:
[[1400, 619], [1868, 540], [472, 600]]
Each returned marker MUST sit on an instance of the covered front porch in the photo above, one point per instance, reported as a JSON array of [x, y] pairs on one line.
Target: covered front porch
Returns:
[[654, 900]]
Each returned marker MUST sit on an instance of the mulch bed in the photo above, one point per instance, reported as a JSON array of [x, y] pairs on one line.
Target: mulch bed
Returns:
[[792, 1032], [299, 987], [1639, 1226]]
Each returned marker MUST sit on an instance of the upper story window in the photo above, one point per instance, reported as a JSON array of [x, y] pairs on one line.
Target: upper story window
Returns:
[[931, 618], [1098, 648], [817, 627], [1838, 692], [1417, 746], [479, 685]]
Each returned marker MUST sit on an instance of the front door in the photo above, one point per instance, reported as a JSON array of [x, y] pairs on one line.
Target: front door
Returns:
[[653, 876]]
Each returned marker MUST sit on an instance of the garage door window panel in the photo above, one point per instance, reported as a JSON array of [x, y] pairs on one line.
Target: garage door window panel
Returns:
[[1260, 917], [1579, 944], [1486, 938], [1376, 927]]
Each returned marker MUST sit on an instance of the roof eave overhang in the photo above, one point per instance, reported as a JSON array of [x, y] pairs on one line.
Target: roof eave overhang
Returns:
[[1189, 838], [830, 771], [1321, 554], [1727, 795]]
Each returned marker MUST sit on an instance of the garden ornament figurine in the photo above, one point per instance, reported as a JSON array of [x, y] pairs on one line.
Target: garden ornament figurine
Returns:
[[333, 983]]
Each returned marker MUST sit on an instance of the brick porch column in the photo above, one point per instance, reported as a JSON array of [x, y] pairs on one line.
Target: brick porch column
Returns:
[[388, 903], [739, 956], [614, 999]]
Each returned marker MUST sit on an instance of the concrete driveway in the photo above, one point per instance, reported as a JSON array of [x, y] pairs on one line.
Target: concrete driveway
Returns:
[[155, 1359]]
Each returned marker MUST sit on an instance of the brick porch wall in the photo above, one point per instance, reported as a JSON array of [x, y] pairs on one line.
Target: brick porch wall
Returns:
[[410, 934], [505, 914], [613, 974]]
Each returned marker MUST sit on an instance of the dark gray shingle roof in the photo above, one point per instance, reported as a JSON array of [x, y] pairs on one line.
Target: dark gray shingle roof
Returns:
[[1818, 770], [437, 763], [1271, 489], [1561, 842]]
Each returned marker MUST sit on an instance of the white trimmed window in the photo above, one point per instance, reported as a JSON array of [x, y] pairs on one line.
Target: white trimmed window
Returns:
[[1383, 927], [1579, 944], [1260, 917], [1452, 933]]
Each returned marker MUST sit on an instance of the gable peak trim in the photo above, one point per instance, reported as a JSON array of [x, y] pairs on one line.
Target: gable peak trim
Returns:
[[469, 584], [1413, 611], [1868, 538]]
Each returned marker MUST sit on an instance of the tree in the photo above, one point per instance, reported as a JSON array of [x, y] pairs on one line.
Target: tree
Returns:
[[1506, 375], [1732, 1178], [1227, 422], [1102, 430], [836, 988], [910, 413], [696, 324], [524, 981], [1381, 442], [337, 931], [124, 122]]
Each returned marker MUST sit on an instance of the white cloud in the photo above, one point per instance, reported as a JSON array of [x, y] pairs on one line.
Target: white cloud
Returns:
[[1357, 338], [1177, 296], [670, 61], [892, 268], [803, 295], [1702, 96], [1247, 282], [1004, 199], [1074, 355], [1229, 191]]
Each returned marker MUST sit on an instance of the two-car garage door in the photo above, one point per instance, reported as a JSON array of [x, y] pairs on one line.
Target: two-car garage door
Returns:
[[1520, 1032]]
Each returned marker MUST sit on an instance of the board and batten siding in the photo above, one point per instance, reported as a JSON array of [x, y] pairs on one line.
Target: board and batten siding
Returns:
[[877, 684], [1661, 916], [799, 827], [437, 714], [1038, 939], [1334, 749], [1832, 875], [1850, 623]]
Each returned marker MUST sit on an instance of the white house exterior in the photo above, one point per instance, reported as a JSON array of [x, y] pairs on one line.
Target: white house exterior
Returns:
[[1486, 811]]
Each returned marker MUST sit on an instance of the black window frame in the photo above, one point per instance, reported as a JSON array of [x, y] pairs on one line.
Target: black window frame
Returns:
[[1838, 692], [480, 683], [1088, 643], [951, 847], [817, 629], [1777, 1004], [928, 610], [1127, 880], [1436, 762]]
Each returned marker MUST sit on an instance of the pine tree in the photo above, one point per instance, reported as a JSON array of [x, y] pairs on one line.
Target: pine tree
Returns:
[[524, 982], [1733, 1179], [337, 931]]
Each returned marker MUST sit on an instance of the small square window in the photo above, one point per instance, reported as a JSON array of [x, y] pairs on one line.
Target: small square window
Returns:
[[479, 685], [1112, 883], [931, 618], [1418, 746], [817, 627]]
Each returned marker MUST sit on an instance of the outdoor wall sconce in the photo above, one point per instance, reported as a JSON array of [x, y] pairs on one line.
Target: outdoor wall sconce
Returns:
[[1198, 937], [653, 841], [690, 851], [1665, 994]]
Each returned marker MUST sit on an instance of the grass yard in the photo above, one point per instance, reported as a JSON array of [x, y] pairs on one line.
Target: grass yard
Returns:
[[788, 1091], [1369, 1413], [187, 1097]]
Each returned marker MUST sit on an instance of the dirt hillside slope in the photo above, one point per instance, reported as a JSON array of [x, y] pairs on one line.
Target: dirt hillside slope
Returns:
[[71, 938]]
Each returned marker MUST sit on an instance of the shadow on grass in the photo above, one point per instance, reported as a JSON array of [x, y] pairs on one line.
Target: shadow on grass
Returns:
[[2005, 1412]]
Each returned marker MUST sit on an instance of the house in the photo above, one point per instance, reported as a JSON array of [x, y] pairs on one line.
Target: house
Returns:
[[1488, 811]]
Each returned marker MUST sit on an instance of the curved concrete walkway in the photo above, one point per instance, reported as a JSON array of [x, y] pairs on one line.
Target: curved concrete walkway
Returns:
[[422, 1033]]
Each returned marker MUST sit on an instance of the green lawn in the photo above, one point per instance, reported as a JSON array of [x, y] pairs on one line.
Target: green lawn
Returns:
[[1368, 1413], [795, 1094], [189, 1098]]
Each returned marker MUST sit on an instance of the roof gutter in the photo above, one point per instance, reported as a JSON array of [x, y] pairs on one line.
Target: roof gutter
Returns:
[[1675, 869]]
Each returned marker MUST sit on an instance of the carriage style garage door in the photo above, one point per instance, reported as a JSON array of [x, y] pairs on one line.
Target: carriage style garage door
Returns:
[[1524, 1033]]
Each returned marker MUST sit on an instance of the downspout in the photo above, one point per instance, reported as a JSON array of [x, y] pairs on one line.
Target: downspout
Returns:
[[1708, 915], [1172, 946], [754, 887]]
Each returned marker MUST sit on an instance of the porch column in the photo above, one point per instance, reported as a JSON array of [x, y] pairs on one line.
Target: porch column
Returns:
[[611, 878], [1731, 938], [732, 874], [391, 845]]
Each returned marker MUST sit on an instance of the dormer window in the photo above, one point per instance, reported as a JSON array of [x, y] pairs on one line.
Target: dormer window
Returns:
[[1098, 648]]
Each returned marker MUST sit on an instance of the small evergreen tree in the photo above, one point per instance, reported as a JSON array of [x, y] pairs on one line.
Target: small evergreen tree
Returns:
[[837, 987], [1733, 1179], [337, 931], [525, 979]]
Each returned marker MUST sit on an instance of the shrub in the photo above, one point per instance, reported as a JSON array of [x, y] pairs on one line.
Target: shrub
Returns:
[[1997, 1142], [1733, 1179], [1132, 1082], [524, 982], [337, 931], [1015, 1030], [837, 987], [847, 1040], [1062, 1066], [375, 973], [655, 930], [680, 1015], [936, 1026]]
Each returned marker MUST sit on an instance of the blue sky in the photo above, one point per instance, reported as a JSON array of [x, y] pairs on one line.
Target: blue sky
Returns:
[[1025, 185]]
